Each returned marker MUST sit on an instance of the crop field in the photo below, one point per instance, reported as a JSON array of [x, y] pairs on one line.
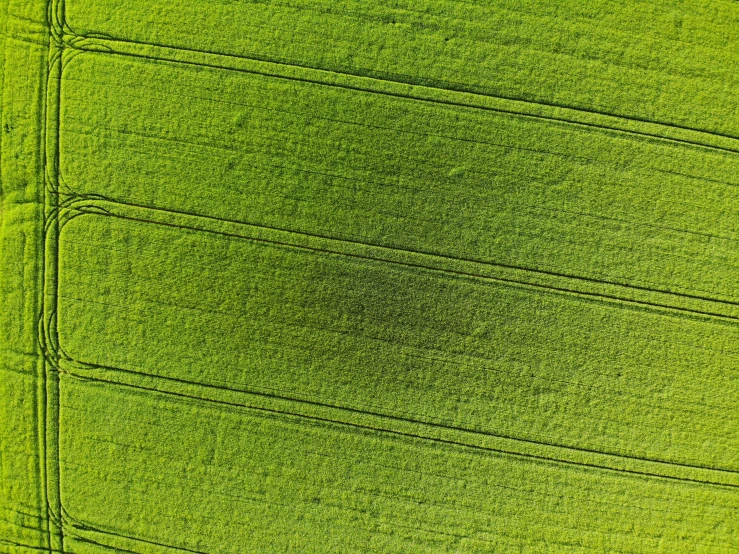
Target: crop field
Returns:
[[400, 276]]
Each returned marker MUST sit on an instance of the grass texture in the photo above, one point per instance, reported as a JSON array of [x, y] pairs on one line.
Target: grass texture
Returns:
[[400, 276]]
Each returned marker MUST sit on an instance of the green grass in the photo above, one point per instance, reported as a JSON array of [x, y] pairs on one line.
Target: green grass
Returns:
[[281, 483], [400, 276], [454, 181], [674, 62], [386, 338]]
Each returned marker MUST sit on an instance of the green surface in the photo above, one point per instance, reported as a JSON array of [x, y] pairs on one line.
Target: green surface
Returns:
[[398, 340], [665, 60], [449, 180], [400, 276], [23, 518], [234, 483]]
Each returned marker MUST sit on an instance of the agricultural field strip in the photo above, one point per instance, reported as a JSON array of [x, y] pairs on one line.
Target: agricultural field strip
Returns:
[[86, 246], [579, 57], [116, 443], [389, 425], [685, 304], [278, 402], [620, 124], [693, 242], [327, 248], [263, 452]]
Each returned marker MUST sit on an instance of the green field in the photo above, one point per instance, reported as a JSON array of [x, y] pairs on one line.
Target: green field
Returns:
[[394, 276]]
